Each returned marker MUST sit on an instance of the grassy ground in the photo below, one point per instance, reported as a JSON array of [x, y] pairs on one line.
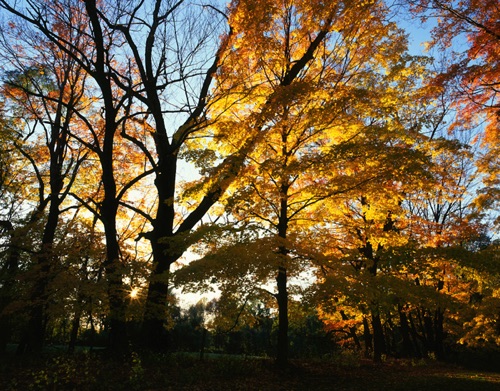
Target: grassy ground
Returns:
[[184, 372]]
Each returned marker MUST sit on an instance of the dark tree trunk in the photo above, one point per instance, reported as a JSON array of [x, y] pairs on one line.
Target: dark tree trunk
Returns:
[[92, 330], [439, 334], [163, 253], [282, 298], [57, 147], [367, 250], [282, 278], [367, 336], [352, 330], [168, 246], [75, 326], [7, 279], [416, 338], [407, 348], [203, 343], [390, 335], [156, 306], [379, 347], [39, 298], [118, 340], [423, 336], [430, 340]]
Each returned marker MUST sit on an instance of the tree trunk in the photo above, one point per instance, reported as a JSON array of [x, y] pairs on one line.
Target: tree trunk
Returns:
[[168, 246], [118, 339], [7, 284], [367, 337], [282, 298], [202, 343], [439, 334], [352, 330], [354, 336], [424, 338], [282, 278], [92, 328], [155, 308], [75, 326], [407, 348], [35, 333], [39, 298], [430, 340], [379, 347], [415, 337], [163, 253]]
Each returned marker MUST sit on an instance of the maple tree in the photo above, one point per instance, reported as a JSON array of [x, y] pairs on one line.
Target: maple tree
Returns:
[[73, 31], [446, 221], [468, 32], [320, 148], [160, 69], [322, 135], [123, 86], [42, 91], [395, 259], [452, 232], [9, 236]]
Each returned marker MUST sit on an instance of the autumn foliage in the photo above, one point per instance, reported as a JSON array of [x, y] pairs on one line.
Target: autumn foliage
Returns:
[[330, 188]]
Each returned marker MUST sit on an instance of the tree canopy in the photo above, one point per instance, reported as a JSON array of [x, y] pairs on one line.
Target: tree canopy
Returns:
[[293, 156]]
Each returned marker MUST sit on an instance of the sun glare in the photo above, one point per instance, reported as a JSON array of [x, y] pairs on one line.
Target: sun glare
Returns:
[[134, 293]]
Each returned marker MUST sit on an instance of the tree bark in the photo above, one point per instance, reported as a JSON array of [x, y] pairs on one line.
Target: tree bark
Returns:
[[75, 325], [155, 308], [407, 348], [428, 327], [439, 334], [352, 330], [39, 298], [57, 147], [118, 341], [367, 337], [282, 299], [415, 337], [379, 347], [7, 278]]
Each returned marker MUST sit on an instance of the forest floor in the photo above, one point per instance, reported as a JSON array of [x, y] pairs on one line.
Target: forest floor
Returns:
[[91, 372]]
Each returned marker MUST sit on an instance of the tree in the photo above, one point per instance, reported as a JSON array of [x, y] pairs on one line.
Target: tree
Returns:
[[472, 71], [394, 256], [445, 218], [167, 243], [311, 133], [322, 133], [16, 190], [162, 66], [145, 78], [44, 90], [75, 31]]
